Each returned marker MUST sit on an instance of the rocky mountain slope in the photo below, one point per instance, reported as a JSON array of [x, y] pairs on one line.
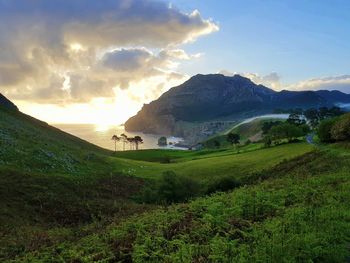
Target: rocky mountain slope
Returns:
[[214, 97]]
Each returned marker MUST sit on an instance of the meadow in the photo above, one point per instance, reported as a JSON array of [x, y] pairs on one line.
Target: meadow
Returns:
[[297, 211]]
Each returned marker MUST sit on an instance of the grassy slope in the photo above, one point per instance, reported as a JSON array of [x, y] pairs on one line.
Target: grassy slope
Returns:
[[52, 180], [55, 187], [250, 130], [300, 212]]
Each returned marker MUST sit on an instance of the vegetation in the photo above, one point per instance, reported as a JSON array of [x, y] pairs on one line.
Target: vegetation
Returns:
[[65, 200], [252, 131], [335, 129], [298, 213]]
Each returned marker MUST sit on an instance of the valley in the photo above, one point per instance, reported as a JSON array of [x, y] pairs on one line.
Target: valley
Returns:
[[76, 201]]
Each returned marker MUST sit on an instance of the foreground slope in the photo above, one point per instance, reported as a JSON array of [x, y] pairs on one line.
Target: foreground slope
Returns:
[[52, 180], [299, 212]]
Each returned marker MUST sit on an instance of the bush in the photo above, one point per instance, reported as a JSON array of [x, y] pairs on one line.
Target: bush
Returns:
[[171, 188], [223, 184], [324, 130], [340, 131]]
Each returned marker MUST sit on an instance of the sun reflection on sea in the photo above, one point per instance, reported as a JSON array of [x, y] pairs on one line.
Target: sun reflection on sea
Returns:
[[103, 127]]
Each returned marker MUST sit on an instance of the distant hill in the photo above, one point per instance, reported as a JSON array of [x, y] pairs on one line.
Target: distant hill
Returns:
[[6, 103], [217, 97]]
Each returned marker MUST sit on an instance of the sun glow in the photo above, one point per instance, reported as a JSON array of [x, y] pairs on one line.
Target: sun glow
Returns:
[[101, 112], [76, 47]]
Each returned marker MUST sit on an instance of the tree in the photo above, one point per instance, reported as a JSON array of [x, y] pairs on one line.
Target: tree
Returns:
[[233, 138], [286, 131], [312, 115], [116, 139], [267, 141], [268, 125], [216, 144], [296, 119], [124, 138], [131, 142], [137, 140], [324, 130]]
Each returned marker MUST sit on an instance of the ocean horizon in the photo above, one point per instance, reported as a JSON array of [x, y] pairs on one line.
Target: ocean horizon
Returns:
[[101, 135]]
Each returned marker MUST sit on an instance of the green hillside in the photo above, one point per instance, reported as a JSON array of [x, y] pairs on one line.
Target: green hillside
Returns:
[[299, 212], [52, 183], [247, 131], [66, 200]]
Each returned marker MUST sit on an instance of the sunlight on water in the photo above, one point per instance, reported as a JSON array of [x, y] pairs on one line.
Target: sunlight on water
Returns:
[[103, 127], [101, 134]]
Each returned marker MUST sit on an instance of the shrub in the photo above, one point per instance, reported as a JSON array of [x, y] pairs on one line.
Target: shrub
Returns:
[[223, 184], [171, 188], [340, 131]]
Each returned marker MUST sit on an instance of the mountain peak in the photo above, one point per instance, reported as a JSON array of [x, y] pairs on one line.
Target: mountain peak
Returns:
[[6, 103]]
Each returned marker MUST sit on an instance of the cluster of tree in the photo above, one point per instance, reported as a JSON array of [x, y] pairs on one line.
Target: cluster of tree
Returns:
[[288, 131], [335, 129], [292, 129], [133, 142], [266, 127], [313, 116]]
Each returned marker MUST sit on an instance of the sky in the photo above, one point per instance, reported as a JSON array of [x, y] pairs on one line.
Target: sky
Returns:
[[92, 61]]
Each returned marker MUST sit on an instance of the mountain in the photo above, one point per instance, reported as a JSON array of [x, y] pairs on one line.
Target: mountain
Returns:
[[6, 103], [334, 96], [215, 97]]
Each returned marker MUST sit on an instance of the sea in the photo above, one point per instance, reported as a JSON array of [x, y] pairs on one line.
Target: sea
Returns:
[[101, 135]]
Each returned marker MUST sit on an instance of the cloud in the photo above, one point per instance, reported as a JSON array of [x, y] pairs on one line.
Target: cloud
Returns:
[[271, 80], [341, 83], [121, 68], [63, 51]]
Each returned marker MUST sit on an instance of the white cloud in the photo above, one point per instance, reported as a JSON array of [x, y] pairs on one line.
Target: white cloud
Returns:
[[271, 80], [63, 51], [341, 83]]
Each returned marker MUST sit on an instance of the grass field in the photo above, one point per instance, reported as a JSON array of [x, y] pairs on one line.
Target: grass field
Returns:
[[212, 165], [300, 212]]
